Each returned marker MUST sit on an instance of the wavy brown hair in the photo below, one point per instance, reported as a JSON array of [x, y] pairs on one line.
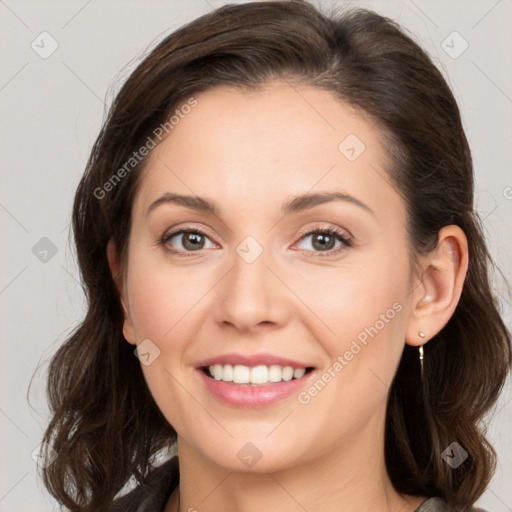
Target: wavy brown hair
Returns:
[[105, 425]]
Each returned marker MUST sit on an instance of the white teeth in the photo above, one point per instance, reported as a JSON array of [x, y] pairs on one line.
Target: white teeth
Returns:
[[240, 374], [217, 371], [274, 374], [287, 373], [259, 375], [299, 372], [227, 373]]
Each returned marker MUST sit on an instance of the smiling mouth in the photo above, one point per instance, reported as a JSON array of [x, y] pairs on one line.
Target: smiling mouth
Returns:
[[260, 375]]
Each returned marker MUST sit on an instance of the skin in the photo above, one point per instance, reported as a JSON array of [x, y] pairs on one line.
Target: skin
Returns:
[[249, 153]]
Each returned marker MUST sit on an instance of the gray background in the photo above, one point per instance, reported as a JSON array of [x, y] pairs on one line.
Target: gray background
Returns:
[[51, 112]]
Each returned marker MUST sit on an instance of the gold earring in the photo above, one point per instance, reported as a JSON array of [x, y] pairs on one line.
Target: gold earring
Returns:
[[421, 359], [421, 334]]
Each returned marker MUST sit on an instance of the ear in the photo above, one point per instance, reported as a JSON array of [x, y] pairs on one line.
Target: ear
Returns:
[[113, 261], [437, 293]]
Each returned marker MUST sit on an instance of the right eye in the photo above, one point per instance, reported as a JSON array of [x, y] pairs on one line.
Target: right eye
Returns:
[[190, 239]]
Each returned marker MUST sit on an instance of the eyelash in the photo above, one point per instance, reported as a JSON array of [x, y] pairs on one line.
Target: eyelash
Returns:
[[346, 241]]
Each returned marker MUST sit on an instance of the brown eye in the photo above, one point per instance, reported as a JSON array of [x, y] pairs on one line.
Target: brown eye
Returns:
[[192, 241], [185, 240], [325, 240]]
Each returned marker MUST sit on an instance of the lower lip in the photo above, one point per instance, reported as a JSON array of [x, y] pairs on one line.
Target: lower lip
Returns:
[[242, 395]]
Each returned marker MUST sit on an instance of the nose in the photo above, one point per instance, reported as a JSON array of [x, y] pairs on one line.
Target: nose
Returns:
[[251, 296]]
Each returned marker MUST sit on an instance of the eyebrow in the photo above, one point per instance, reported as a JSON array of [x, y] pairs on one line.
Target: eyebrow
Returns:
[[297, 204]]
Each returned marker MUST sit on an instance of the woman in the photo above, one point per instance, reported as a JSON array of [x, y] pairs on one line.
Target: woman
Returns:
[[277, 221]]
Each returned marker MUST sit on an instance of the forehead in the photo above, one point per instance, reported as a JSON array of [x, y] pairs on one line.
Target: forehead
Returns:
[[251, 149]]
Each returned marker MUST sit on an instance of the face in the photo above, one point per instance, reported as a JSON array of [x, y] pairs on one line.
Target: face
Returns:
[[260, 280]]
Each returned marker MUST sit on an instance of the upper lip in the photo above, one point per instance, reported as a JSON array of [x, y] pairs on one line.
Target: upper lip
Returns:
[[252, 360]]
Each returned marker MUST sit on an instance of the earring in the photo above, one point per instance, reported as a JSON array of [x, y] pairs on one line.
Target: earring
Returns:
[[421, 334]]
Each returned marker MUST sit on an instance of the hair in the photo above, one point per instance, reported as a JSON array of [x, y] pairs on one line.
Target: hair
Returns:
[[105, 424]]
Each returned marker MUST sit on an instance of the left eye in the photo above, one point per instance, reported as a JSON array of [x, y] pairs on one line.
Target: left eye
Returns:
[[324, 240]]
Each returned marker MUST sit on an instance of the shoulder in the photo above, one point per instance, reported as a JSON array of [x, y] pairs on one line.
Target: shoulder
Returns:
[[151, 496], [438, 505]]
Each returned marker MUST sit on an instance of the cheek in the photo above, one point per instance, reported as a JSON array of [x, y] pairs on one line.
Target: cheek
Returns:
[[162, 310], [367, 313], [161, 298], [350, 298], [151, 308], [362, 312]]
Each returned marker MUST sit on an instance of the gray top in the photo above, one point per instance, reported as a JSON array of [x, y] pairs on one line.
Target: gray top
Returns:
[[153, 496], [438, 505]]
